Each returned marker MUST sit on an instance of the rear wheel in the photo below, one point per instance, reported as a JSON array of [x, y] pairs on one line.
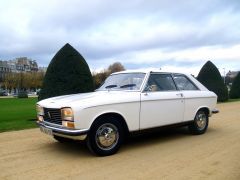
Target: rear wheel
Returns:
[[105, 136], [200, 123]]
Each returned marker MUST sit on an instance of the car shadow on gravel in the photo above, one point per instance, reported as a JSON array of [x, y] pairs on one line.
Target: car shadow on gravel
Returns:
[[156, 136], [71, 148], [79, 148]]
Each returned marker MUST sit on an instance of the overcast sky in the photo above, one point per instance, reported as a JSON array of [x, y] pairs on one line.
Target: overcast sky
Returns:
[[173, 35]]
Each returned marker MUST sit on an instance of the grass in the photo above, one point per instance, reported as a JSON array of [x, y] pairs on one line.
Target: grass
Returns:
[[16, 114], [233, 100]]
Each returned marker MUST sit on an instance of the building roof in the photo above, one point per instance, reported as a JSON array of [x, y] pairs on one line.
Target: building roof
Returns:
[[232, 74]]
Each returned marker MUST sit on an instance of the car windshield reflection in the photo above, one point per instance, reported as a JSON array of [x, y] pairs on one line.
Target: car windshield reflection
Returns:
[[123, 81]]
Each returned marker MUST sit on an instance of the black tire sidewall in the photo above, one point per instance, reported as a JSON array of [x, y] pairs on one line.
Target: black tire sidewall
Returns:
[[194, 129], [91, 141]]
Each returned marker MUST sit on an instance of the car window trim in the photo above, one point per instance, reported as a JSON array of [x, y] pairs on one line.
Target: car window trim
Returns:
[[197, 88], [138, 90], [149, 74]]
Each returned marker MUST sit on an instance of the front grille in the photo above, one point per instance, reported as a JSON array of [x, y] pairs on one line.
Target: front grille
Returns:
[[52, 115]]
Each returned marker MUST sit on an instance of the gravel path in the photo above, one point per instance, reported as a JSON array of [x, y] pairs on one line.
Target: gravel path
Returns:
[[172, 154]]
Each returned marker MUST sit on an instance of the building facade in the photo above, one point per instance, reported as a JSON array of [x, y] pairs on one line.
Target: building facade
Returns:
[[21, 64], [4, 68], [230, 76]]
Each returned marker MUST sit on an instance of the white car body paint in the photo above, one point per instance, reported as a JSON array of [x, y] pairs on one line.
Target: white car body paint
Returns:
[[139, 109]]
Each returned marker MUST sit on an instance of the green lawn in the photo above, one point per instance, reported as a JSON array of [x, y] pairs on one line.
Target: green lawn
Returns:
[[233, 100], [16, 114]]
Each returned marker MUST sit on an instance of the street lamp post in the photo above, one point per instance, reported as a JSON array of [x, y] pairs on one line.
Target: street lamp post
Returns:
[[224, 77]]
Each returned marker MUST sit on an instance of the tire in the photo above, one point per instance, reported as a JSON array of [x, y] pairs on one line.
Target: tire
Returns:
[[61, 139], [200, 123], [105, 136]]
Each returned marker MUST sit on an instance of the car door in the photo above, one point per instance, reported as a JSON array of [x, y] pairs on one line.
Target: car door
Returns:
[[161, 102], [193, 97]]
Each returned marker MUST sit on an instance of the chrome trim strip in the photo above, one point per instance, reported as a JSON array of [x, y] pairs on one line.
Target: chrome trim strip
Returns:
[[113, 103], [199, 97], [144, 82], [215, 111], [167, 99], [179, 74], [52, 124], [72, 132], [138, 90], [114, 90], [80, 137], [177, 98]]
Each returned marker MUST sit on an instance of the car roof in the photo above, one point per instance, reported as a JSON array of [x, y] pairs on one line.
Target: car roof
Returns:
[[146, 71], [197, 83]]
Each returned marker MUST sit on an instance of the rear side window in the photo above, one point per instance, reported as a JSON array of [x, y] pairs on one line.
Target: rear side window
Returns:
[[160, 82], [183, 83]]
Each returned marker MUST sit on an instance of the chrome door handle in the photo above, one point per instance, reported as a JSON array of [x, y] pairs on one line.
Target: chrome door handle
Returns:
[[180, 94]]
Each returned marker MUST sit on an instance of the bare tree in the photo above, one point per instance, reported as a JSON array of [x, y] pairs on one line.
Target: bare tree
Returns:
[[23, 81], [115, 67], [99, 77]]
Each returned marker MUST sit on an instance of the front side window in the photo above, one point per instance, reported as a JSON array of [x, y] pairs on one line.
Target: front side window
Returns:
[[123, 81], [183, 83], [160, 82]]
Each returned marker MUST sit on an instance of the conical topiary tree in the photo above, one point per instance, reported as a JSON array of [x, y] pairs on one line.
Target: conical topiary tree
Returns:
[[235, 90], [210, 77], [67, 73]]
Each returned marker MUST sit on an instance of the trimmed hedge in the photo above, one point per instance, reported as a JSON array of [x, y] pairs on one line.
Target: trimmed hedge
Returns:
[[210, 77], [67, 73], [235, 90], [22, 94]]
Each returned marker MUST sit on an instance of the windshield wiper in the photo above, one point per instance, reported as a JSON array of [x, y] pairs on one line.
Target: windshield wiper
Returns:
[[111, 86], [127, 85]]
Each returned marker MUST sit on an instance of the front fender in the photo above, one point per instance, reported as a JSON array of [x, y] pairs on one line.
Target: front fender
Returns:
[[129, 111]]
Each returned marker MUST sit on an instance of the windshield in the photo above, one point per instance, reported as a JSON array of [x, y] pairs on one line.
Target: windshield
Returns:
[[124, 81]]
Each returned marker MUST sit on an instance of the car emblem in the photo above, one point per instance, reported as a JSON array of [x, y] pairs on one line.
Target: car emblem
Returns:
[[49, 115]]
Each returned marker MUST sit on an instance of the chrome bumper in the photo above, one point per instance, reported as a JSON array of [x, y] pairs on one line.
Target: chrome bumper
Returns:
[[215, 111], [64, 132]]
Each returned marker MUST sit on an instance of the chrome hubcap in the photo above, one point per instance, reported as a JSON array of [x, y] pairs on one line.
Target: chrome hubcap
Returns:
[[201, 121], [107, 136]]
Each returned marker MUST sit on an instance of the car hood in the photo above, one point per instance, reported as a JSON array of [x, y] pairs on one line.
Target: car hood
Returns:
[[86, 100]]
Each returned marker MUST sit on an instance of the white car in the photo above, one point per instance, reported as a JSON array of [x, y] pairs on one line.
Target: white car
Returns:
[[128, 101]]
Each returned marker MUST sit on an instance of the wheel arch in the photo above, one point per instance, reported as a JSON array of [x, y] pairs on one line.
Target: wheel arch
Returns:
[[205, 109], [115, 115]]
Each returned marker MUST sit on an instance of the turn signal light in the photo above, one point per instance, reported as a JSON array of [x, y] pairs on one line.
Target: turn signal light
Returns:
[[40, 118], [68, 124]]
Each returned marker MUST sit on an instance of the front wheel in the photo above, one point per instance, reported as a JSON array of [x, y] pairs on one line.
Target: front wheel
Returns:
[[200, 123], [105, 137]]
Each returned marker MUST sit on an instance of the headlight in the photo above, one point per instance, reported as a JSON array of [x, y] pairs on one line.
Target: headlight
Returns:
[[67, 117], [67, 114], [39, 110]]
